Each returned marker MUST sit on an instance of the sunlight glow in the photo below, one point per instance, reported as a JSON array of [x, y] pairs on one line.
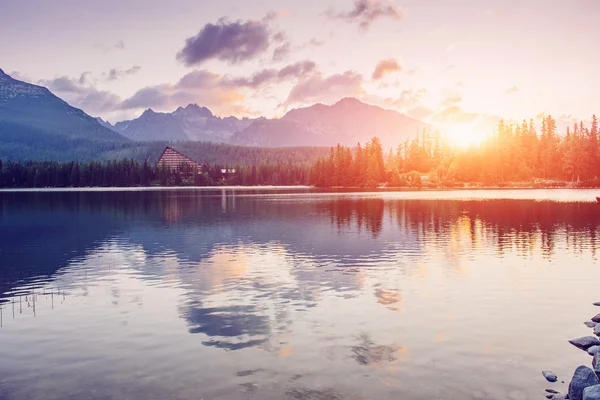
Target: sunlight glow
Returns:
[[463, 135]]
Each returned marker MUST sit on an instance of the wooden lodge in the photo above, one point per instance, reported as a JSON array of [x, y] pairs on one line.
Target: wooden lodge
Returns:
[[174, 160]]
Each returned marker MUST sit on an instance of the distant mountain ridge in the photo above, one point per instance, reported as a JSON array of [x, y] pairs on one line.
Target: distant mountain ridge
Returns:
[[347, 122], [190, 123]]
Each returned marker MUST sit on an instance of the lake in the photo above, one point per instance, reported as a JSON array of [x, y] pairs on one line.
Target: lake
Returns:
[[294, 294]]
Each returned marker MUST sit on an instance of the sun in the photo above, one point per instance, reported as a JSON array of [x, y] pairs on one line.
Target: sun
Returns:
[[463, 135]]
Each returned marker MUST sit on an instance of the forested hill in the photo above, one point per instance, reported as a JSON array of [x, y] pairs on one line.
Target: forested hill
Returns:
[[203, 152], [226, 154]]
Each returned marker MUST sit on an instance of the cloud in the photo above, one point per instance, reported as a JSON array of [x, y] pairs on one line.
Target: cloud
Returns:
[[365, 12], [200, 86], [452, 46], [420, 112], [80, 94], [319, 88], [455, 114], [451, 99], [409, 98], [196, 85], [313, 43], [512, 89], [20, 76], [282, 51], [385, 67], [268, 76], [115, 74], [120, 45], [233, 42]]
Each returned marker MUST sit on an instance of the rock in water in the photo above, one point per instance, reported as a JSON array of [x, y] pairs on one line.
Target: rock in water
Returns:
[[584, 377], [593, 350], [552, 391], [596, 364], [597, 330], [585, 342], [550, 376], [590, 324], [597, 303], [596, 318], [591, 393]]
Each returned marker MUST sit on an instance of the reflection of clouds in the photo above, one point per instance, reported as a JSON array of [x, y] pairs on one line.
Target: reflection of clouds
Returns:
[[390, 298]]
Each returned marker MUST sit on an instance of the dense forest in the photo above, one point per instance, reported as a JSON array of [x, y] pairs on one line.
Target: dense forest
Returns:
[[512, 155], [128, 173]]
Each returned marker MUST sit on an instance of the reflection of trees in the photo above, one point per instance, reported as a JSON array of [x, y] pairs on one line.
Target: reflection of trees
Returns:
[[523, 225], [368, 353], [313, 394], [361, 212]]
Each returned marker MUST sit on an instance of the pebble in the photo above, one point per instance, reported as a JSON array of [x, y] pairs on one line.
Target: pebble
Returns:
[[550, 376], [593, 350], [596, 318], [597, 330], [585, 342], [597, 303], [591, 393], [552, 391], [590, 324], [583, 378]]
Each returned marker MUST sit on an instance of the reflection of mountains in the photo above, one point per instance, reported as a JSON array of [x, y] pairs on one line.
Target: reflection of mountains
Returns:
[[41, 232]]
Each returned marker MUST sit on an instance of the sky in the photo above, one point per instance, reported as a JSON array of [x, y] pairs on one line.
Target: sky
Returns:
[[448, 62]]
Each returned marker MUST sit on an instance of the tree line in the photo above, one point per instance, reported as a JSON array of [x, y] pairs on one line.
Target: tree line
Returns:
[[513, 153], [131, 173]]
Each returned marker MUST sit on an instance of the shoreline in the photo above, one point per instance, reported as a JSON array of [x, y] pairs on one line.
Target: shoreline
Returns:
[[380, 189]]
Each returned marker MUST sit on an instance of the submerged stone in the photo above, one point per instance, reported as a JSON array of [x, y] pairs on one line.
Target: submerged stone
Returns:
[[550, 376], [584, 377], [597, 330], [597, 303], [591, 393], [552, 391], [596, 318], [590, 324], [585, 342], [593, 350]]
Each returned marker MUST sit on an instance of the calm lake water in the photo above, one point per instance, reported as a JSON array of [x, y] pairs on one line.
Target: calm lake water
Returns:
[[223, 294]]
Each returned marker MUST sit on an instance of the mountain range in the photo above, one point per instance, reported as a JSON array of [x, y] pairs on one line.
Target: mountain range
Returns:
[[347, 122], [36, 124]]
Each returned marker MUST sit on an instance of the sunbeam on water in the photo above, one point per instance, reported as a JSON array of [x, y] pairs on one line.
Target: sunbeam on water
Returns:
[[247, 295]]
